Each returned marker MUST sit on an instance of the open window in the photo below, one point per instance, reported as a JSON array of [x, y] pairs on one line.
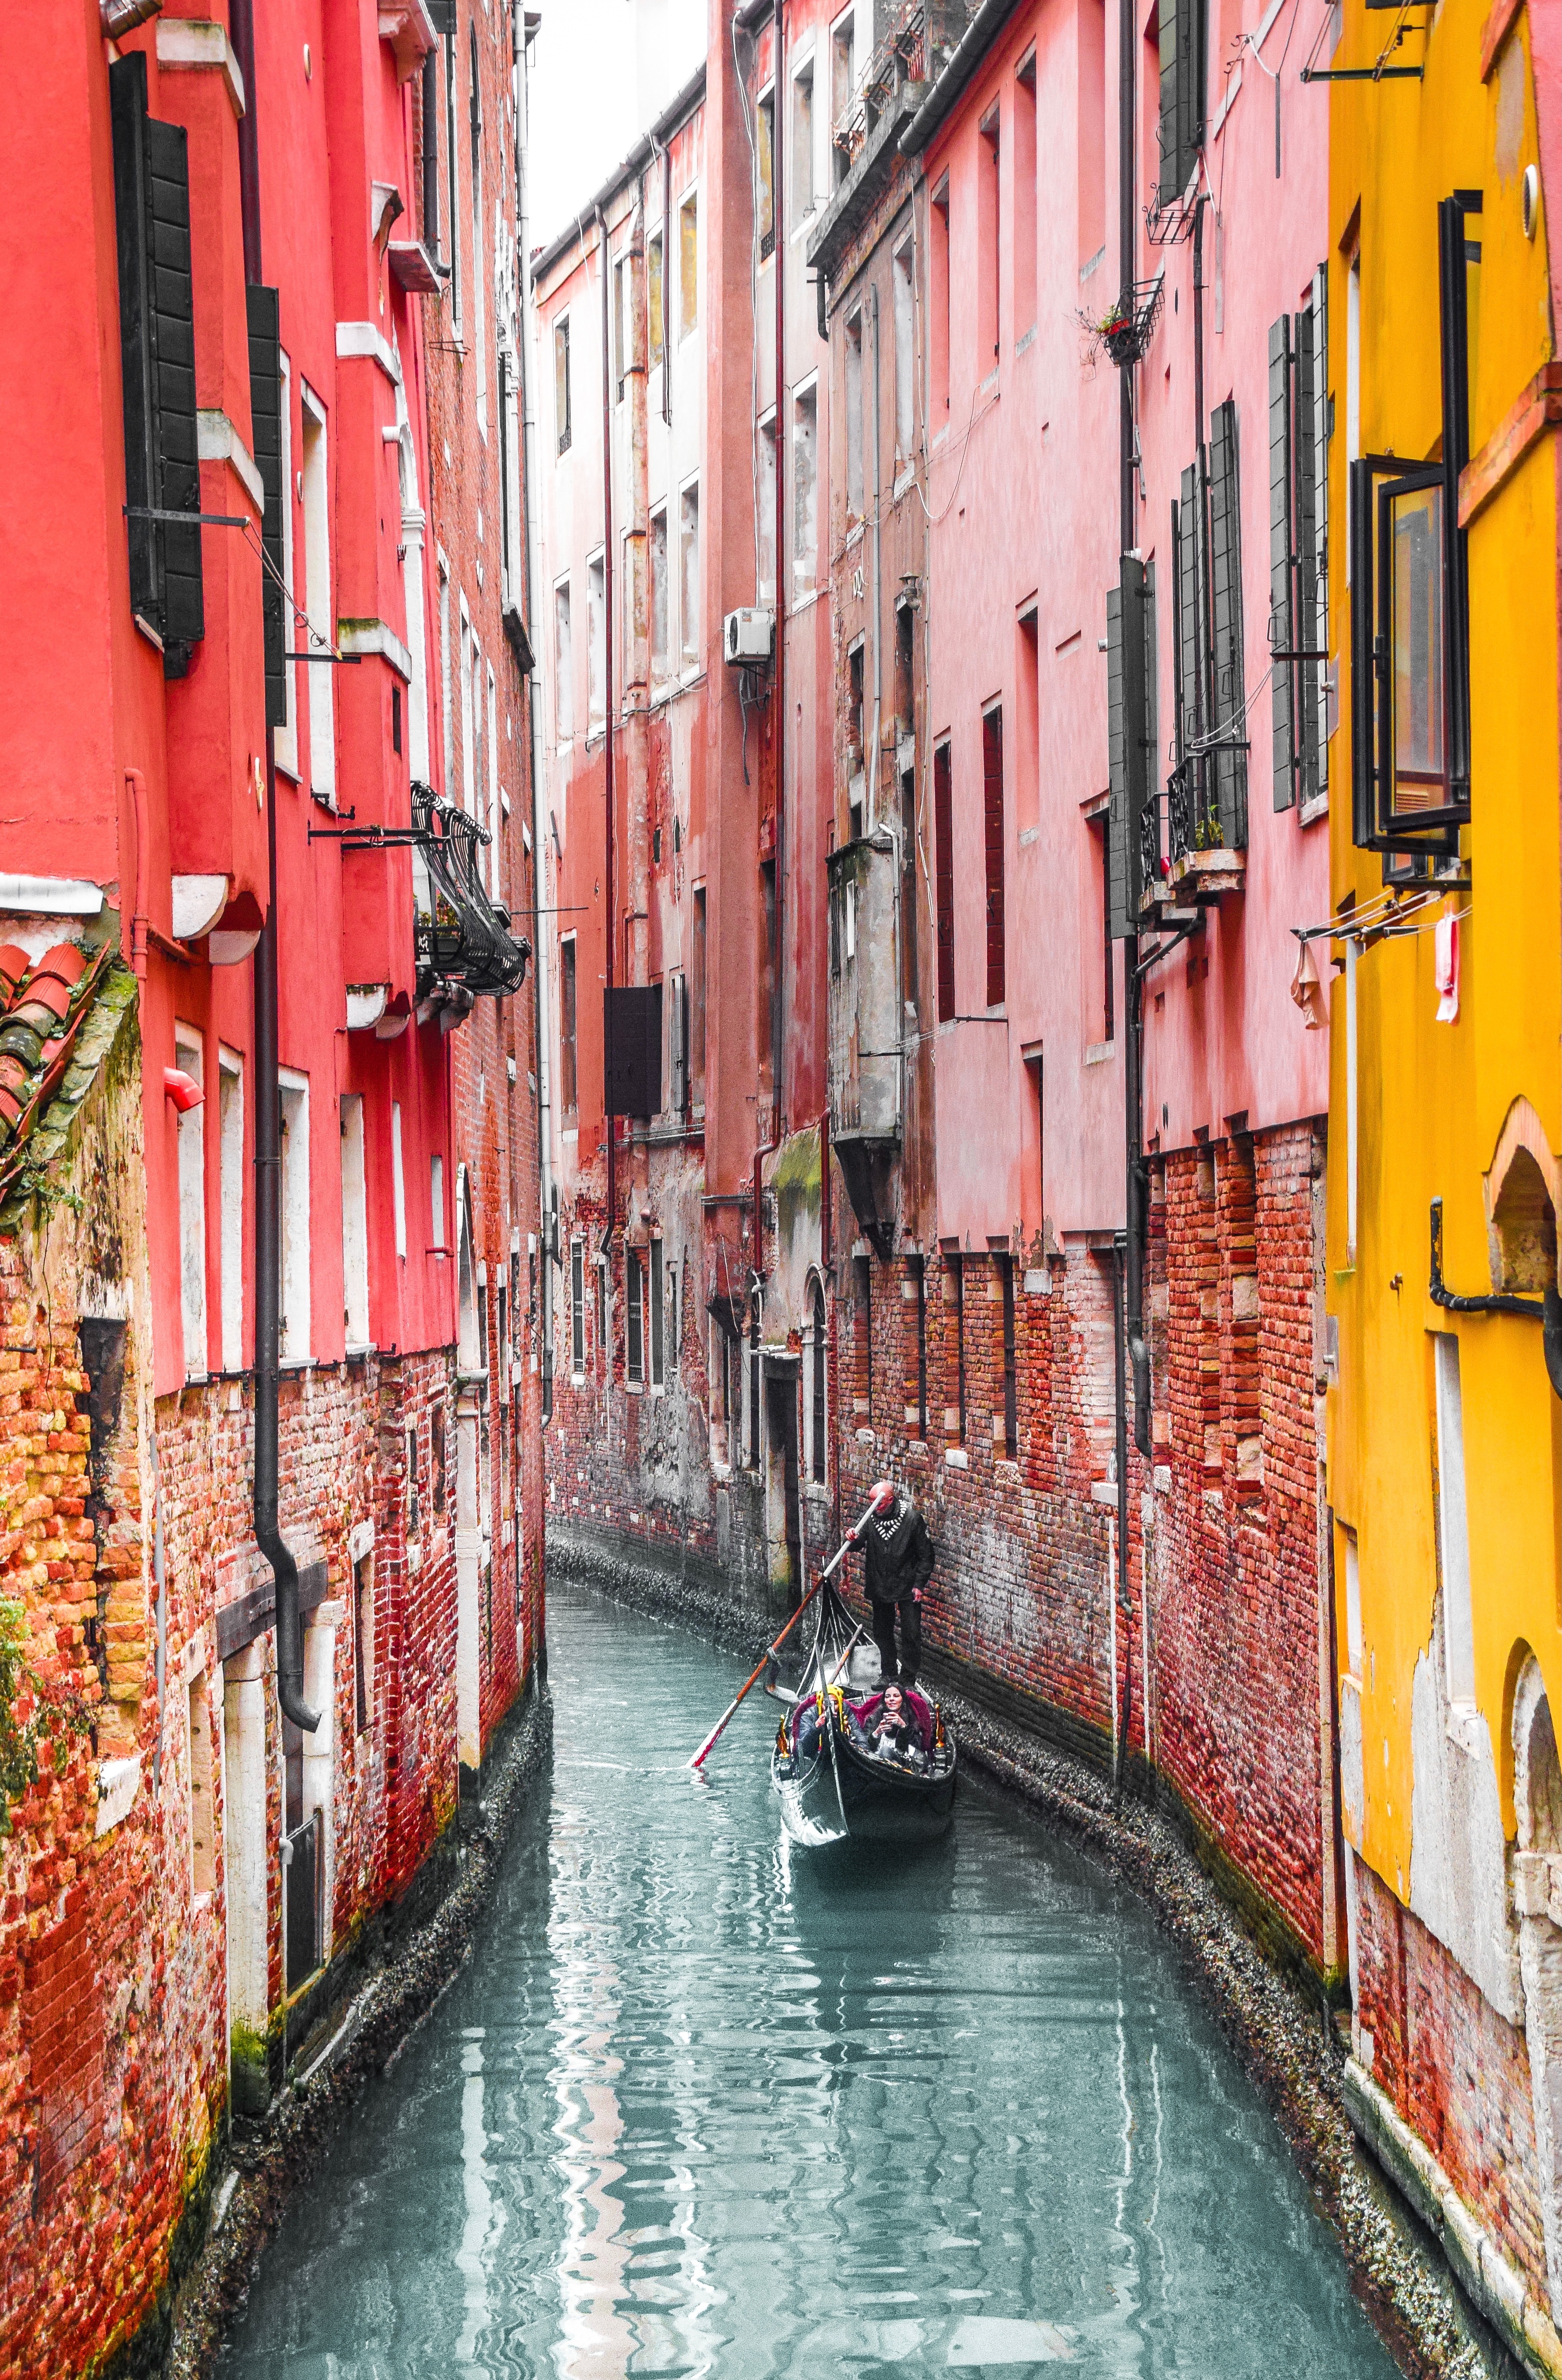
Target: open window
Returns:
[[1410, 629]]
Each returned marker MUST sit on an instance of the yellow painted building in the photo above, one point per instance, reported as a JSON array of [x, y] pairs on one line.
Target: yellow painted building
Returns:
[[1444, 1431]]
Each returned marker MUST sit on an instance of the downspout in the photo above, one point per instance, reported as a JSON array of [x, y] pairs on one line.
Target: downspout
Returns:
[[541, 1021], [877, 574], [268, 1133], [138, 785], [610, 1123], [1129, 1264]]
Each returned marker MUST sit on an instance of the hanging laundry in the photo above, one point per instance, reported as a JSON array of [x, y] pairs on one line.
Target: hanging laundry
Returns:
[[1445, 967], [1307, 991]]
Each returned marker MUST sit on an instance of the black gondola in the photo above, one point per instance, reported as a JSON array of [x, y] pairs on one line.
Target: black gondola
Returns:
[[827, 1782]]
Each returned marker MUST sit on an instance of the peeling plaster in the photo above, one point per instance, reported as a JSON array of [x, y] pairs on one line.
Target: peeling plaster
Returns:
[[1458, 1855]]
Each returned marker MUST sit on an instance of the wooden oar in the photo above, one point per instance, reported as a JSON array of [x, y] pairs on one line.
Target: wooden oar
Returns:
[[838, 1557], [698, 1760]]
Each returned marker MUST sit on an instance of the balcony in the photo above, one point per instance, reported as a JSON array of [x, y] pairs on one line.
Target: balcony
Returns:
[[1184, 862], [463, 937], [865, 1024]]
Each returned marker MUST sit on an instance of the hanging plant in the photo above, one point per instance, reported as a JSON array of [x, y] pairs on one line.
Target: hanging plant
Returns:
[[49, 1722], [1124, 329]]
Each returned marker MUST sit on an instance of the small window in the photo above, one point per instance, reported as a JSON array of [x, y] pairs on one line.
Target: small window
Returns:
[[954, 1416], [688, 574], [767, 509], [803, 143], [658, 594], [1024, 237], [903, 290], [855, 503], [843, 89], [436, 1201], [656, 303], [688, 265], [635, 1316], [657, 1319], [294, 1218], [993, 832], [765, 163], [562, 381], [577, 1310], [804, 491], [321, 638], [623, 329], [943, 876], [596, 644], [939, 307], [696, 1003], [1011, 1369], [355, 1224], [1028, 756], [191, 1128], [568, 1079], [437, 1456], [563, 665], [363, 1644], [989, 240], [202, 1809], [398, 1181], [414, 1510]]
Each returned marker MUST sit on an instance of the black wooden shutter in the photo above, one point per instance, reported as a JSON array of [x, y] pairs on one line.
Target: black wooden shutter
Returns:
[[1181, 28], [1283, 639], [1316, 616], [1150, 780], [1364, 685], [1189, 641], [173, 320], [1226, 622], [632, 1050], [265, 418], [157, 353], [1128, 636], [127, 112], [1310, 629]]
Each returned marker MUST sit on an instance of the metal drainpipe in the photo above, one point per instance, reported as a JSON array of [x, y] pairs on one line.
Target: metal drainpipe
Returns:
[[610, 1123], [541, 1034], [877, 575], [1128, 1268], [268, 1134]]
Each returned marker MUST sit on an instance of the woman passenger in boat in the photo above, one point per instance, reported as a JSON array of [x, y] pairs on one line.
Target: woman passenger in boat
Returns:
[[892, 1733]]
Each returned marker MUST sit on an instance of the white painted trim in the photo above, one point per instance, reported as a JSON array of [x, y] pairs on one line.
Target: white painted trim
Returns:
[[187, 41], [216, 440], [54, 896], [364, 339], [197, 903]]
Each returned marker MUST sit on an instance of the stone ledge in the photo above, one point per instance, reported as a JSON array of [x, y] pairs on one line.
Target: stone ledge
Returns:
[[1491, 2281]]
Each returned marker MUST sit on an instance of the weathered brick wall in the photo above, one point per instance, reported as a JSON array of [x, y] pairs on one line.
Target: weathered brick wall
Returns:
[[1455, 2069]]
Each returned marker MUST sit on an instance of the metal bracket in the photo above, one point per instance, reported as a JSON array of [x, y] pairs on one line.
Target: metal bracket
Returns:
[[188, 520], [1163, 950], [337, 660]]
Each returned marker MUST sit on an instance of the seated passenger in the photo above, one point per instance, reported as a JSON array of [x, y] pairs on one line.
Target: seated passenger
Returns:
[[892, 1733]]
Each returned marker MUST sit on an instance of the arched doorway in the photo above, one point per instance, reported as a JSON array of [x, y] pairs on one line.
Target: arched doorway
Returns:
[[1537, 1888]]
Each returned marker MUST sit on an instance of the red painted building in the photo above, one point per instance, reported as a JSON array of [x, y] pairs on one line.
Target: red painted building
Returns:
[[275, 1381], [975, 880]]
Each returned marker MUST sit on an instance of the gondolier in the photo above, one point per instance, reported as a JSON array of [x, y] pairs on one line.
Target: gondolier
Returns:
[[896, 1565]]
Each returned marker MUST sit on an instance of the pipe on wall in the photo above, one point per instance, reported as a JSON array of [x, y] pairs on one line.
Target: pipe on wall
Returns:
[[610, 904], [268, 1114], [1128, 1281]]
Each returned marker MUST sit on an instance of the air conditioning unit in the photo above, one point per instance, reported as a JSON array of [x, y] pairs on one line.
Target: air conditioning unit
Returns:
[[749, 637]]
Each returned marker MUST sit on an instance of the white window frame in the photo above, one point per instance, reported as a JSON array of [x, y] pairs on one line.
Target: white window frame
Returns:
[[689, 650], [595, 643], [438, 1238], [803, 70], [398, 1181], [315, 463], [806, 390], [562, 664], [231, 1186], [189, 1055], [355, 1224], [687, 198], [287, 744], [297, 1318]]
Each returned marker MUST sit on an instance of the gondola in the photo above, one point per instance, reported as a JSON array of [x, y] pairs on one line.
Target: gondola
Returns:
[[830, 1786]]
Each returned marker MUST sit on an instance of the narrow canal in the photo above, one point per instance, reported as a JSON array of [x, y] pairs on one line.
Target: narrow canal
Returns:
[[697, 2103]]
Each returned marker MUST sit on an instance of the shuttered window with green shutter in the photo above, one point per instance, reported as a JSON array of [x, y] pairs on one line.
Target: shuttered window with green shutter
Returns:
[[1228, 721], [1282, 625], [1180, 26], [265, 417]]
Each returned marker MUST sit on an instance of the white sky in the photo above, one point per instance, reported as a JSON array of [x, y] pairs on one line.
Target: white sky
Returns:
[[602, 70]]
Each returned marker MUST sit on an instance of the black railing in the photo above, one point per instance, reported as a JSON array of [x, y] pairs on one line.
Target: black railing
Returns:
[[462, 936], [1150, 844]]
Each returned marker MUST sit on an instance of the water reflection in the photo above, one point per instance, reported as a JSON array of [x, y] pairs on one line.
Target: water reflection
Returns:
[[703, 2103]]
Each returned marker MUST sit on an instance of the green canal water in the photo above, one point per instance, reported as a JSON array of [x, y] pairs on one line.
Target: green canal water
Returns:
[[700, 2102]]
